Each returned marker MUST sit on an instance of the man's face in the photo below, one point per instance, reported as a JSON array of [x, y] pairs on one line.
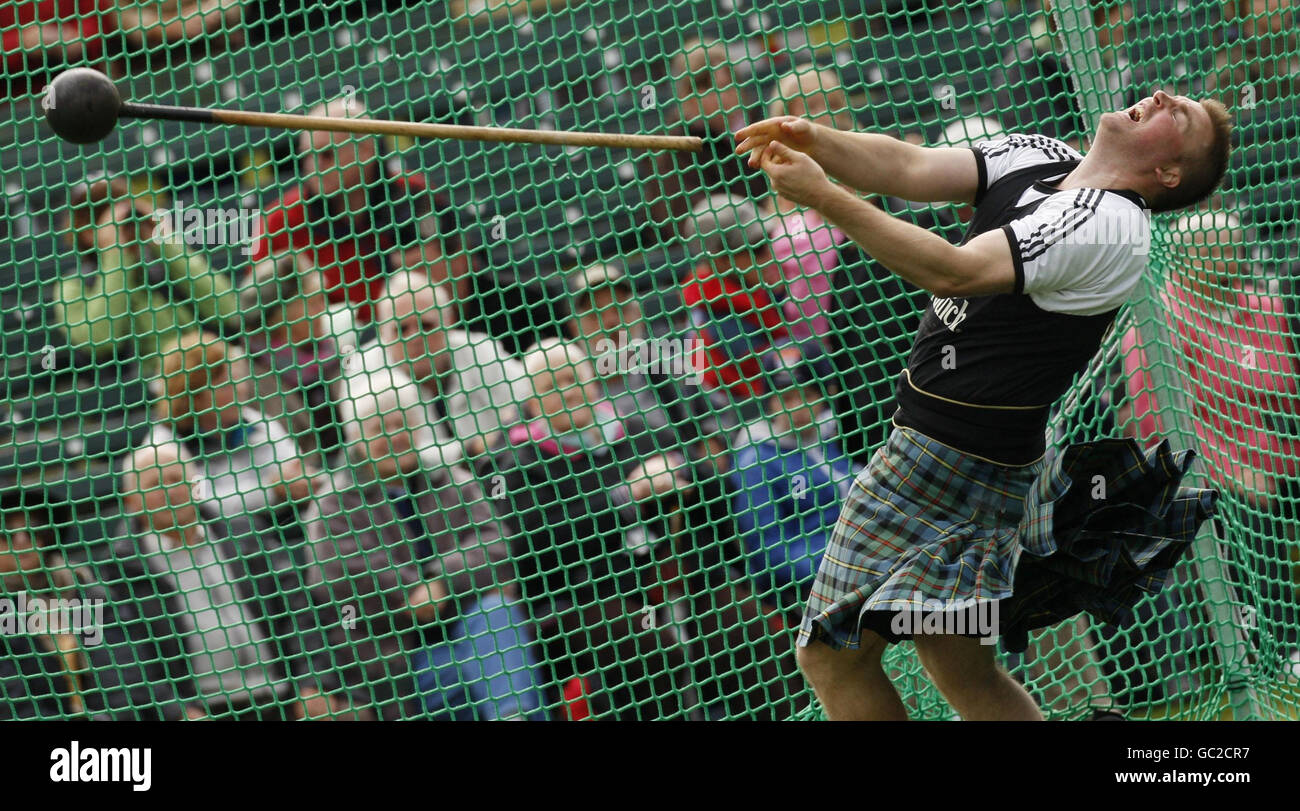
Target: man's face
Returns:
[[414, 337], [390, 444], [333, 163], [1158, 131], [565, 401], [163, 495], [19, 558]]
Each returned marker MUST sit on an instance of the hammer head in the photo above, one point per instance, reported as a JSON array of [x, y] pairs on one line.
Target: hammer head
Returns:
[[82, 105]]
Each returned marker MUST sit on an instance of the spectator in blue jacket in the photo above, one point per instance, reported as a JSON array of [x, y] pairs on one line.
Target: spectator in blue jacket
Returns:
[[791, 475]]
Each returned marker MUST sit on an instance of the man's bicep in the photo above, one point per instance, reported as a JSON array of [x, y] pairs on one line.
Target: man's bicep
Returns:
[[1079, 252], [988, 266], [942, 175]]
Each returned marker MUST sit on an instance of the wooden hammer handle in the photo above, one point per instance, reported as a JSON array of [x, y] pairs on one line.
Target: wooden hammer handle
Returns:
[[415, 129]]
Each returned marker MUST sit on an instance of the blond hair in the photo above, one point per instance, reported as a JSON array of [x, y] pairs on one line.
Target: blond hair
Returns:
[[379, 393]]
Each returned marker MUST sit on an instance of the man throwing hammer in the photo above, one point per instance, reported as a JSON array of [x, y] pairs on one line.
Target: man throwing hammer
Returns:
[[962, 516]]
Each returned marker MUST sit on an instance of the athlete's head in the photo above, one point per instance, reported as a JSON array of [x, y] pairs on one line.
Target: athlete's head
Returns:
[[1175, 148]]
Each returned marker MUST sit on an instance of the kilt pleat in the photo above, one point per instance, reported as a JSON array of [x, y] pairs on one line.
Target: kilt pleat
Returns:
[[1103, 528]]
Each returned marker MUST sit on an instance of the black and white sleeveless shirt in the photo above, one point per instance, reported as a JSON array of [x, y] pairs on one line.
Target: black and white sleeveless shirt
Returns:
[[985, 370]]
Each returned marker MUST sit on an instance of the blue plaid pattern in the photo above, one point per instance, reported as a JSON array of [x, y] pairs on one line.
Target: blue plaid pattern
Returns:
[[925, 522]]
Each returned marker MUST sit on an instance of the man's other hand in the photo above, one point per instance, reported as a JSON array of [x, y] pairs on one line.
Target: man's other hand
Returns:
[[795, 176]]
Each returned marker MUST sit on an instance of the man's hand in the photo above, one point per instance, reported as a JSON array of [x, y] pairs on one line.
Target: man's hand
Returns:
[[795, 176], [426, 600], [658, 476], [798, 133]]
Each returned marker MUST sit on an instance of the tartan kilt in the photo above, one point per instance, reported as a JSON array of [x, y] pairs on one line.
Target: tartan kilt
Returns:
[[926, 525]]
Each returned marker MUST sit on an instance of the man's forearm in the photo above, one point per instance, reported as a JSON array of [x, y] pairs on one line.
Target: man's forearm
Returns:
[[868, 162], [879, 164], [910, 252]]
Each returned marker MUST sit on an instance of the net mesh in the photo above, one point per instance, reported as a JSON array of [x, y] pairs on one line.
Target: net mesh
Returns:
[[301, 426]]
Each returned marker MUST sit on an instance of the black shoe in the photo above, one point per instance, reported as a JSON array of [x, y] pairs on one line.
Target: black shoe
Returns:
[[1107, 715]]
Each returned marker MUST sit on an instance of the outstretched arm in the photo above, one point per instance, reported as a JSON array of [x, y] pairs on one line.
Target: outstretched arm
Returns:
[[98, 319], [869, 162], [980, 267], [211, 292]]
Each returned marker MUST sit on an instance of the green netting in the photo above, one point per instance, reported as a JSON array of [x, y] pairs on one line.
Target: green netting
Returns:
[[256, 468]]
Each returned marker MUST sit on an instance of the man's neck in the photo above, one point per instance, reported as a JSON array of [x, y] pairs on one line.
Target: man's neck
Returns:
[[1095, 172]]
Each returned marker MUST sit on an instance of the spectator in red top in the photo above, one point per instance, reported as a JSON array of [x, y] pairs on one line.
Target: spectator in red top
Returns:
[[736, 296], [738, 306], [1241, 382], [50, 34], [357, 221]]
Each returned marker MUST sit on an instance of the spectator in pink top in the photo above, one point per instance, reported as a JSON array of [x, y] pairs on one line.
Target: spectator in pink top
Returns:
[[1234, 338], [1241, 383], [802, 242]]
